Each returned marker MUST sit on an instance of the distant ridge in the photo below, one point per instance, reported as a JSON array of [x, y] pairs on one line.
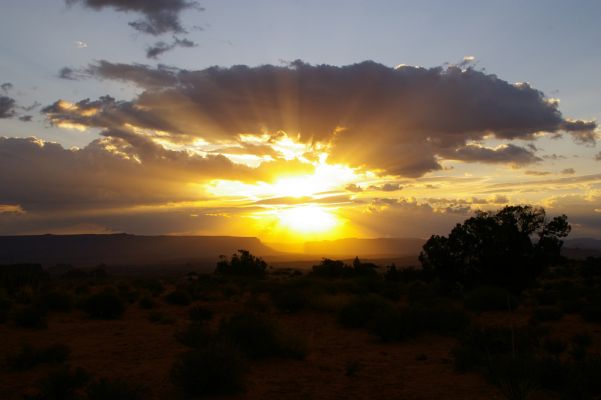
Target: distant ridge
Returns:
[[122, 249], [365, 247]]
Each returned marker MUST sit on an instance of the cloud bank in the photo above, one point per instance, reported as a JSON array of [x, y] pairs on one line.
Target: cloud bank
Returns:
[[401, 121]]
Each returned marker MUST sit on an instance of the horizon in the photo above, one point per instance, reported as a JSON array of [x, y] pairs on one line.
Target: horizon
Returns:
[[190, 119]]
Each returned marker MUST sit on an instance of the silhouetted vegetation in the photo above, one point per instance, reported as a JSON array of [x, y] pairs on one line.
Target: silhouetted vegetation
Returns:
[[217, 368], [104, 389], [242, 264], [497, 248], [104, 305], [28, 356]]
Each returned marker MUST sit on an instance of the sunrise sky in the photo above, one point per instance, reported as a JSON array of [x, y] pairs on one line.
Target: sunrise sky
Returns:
[[296, 120]]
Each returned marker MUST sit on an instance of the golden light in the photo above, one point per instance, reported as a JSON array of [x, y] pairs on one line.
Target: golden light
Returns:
[[307, 219]]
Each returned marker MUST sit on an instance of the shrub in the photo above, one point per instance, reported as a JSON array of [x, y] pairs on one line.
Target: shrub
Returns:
[[160, 318], [330, 268], [242, 264], [592, 313], [147, 303], [28, 356], [439, 319], [31, 316], [214, 369], [544, 314], [259, 337], [554, 346], [195, 335], [61, 384], [361, 312], [391, 325], [104, 305], [105, 389], [178, 297], [57, 301], [199, 313], [490, 298], [289, 300]]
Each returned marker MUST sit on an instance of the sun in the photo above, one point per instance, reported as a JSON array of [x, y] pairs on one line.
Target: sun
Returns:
[[308, 219]]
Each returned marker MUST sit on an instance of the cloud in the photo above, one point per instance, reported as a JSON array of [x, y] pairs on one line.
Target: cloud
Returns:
[[68, 74], [161, 47], [507, 153], [598, 156], [6, 87], [387, 187], [26, 118], [568, 171], [351, 187], [537, 173], [583, 132], [367, 115], [7, 107], [80, 45], [11, 209], [158, 16]]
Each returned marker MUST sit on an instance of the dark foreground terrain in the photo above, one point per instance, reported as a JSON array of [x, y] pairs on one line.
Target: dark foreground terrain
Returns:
[[342, 331]]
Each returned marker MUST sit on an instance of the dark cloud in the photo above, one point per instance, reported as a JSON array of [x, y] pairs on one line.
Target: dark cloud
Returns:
[[6, 87], [504, 154], [583, 132], [387, 187], [568, 171], [399, 121], [161, 47], [68, 73], [537, 173], [138, 74], [351, 187], [26, 118], [7, 107], [598, 156], [159, 16]]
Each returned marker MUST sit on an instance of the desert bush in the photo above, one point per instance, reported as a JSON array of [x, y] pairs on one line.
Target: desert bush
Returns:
[[104, 305], [548, 313], [28, 356], [391, 325], [195, 335], [16, 276], [441, 319], [62, 384], [554, 346], [147, 303], [490, 298], [198, 312], [161, 318], [260, 337], [289, 300], [105, 389], [592, 312], [242, 264], [479, 346], [178, 297], [328, 268], [56, 300], [31, 316], [215, 369], [515, 377], [360, 312], [583, 339], [153, 286], [546, 297]]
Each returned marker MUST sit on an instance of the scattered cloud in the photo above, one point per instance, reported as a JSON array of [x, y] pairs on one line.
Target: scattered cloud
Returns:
[[351, 187], [387, 187], [68, 73], [161, 47], [80, 45], [568, 171], [7, 107], [6, 87], [598, 156], [158, 16], [537, 173]]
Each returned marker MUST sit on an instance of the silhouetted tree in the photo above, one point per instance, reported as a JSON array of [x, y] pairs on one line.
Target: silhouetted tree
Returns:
[[242, 264], [508, 248]]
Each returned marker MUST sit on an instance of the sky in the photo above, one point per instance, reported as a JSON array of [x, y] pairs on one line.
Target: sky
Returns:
[[296, 120]]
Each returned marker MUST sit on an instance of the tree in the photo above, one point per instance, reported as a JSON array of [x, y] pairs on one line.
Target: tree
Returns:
[[509, 248], [242, 264]]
